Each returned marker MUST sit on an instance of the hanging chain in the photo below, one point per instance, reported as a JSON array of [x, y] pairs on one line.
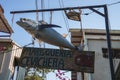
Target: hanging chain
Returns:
[[37, 16], [13, 19]]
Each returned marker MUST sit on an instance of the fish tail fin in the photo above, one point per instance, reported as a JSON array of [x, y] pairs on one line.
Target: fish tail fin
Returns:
[[80, 47]]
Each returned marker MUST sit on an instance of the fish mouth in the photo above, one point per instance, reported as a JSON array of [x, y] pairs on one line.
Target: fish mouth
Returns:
[[27, 24], [22, 23]]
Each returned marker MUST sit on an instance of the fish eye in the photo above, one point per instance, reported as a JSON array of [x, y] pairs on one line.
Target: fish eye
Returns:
[[24, 19]]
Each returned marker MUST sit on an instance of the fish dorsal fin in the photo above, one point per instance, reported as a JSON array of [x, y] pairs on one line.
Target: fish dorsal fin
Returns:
[[47, 26]]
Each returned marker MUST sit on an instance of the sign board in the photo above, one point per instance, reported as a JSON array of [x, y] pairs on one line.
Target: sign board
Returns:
[[57, 59]]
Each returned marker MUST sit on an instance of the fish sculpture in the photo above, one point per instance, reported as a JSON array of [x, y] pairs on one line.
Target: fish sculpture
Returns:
[[42, 31]]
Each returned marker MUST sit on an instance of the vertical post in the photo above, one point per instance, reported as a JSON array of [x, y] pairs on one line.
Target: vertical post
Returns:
[[82, 74], [109, 43], [74, 75]]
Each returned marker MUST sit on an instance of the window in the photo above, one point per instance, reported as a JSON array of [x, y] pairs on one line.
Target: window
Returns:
[[116, 53]]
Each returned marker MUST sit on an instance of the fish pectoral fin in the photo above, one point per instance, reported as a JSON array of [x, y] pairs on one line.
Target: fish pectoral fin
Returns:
[[81, 47]]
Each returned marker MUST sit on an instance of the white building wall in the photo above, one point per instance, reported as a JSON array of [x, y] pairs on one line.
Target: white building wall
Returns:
[[102, 66], [95, 40], [21, 73], [15, 53], [7, 59]]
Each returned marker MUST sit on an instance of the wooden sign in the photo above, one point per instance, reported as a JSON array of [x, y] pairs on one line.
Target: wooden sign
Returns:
[[57, 59]]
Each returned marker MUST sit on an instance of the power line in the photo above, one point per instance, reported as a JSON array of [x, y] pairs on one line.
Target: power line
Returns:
[[113, 3], [99, 8]]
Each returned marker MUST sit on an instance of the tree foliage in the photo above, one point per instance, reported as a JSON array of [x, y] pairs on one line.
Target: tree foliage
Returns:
[[34, 77], [36, 73]]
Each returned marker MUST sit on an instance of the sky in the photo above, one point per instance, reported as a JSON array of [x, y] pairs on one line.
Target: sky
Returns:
[[91, 21]]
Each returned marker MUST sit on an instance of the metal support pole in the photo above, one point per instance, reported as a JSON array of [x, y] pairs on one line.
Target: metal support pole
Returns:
[[109, 43], [56, 9]]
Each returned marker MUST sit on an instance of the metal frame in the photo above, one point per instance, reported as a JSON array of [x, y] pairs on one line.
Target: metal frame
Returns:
[[105, 15]]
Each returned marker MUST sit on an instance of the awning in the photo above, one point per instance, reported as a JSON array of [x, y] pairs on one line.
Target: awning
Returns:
[[4, 26]]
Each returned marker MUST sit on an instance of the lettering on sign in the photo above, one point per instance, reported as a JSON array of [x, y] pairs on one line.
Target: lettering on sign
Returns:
[[57, 59]]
